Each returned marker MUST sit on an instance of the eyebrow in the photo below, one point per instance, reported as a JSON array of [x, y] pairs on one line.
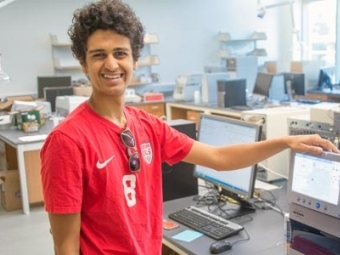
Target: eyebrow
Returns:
[[115, 49]]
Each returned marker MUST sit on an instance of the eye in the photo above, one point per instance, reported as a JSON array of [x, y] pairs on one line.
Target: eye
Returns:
[[120, 54], [98, 55]]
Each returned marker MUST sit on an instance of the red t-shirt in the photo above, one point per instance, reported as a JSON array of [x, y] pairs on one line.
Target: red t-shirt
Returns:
[[84, 168]]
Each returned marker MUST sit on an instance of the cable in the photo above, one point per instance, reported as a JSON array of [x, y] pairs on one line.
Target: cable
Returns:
[[273, 172], [274, 207], [242, 240]]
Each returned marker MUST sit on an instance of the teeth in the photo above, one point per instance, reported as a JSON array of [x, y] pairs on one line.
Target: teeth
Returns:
[[116, 76]]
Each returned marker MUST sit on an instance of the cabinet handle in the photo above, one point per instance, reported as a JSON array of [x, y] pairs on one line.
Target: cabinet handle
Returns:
[[155, 107]]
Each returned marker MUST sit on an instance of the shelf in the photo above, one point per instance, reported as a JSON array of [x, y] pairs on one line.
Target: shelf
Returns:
[[258, 52], [136, 83], [150, 39], [66, 65], [256, 36], [235, 46], [55, 42], [149, 61]]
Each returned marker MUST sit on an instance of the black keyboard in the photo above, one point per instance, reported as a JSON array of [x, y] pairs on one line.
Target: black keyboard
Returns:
[[308, 101], [241, 107], [207, 223]]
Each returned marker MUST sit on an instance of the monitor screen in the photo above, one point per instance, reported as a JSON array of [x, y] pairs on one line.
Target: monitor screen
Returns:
[[296, 83], [50, 94], [262, 84], [314, 182], [52, 81], [218, 131], [232, 92]]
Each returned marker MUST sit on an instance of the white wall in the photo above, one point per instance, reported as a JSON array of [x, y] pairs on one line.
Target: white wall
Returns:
[[187, 31]]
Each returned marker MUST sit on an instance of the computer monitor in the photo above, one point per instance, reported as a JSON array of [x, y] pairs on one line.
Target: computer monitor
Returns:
[[52, 81], [50, 94], [324, 80], [262, 84], [238, 184], [178, 179], [314, 182], [295, 84], [232, 92]]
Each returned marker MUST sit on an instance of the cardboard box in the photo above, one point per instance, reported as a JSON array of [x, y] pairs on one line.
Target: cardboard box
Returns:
[[29, 120], [10, 190], [83, 90], [6, 106]]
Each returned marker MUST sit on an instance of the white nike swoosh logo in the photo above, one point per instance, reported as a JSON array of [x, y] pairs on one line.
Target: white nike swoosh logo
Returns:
[[102, 165]]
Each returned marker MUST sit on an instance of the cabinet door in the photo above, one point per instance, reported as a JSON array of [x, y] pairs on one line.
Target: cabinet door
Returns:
[[156, 109], [34, 186]]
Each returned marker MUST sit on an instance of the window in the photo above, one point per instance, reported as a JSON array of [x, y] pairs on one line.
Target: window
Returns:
[[320, 31]]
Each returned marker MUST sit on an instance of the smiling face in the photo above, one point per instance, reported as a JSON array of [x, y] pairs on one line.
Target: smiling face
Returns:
[[109, 62]]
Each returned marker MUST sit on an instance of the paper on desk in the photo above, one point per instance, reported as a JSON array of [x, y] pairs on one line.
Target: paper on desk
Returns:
[[187, 235], [31, 138]]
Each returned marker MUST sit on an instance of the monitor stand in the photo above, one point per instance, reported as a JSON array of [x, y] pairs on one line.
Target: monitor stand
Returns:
[[243, 207]]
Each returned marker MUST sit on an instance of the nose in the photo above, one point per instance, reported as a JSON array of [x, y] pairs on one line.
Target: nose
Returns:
[[111, 63]]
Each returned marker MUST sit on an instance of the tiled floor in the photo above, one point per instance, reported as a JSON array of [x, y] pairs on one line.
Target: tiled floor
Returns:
[[25, 234]]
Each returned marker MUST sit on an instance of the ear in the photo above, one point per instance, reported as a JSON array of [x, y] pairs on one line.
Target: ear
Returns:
[[135, 65], [84, 68]]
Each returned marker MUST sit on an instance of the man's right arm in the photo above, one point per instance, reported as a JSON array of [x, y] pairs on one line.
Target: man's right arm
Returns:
[[65, 230]]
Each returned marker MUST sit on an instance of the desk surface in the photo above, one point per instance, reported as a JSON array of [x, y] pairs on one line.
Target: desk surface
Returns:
[[11, 136], [265, 231]]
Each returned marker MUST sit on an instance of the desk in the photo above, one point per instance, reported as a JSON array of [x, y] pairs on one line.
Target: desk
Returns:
[[191, 111], [265, 231], [325, 95], [26, 153]]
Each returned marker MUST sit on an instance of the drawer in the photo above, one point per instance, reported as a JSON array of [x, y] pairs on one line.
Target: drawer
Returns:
[[194, 116], [157, 109]]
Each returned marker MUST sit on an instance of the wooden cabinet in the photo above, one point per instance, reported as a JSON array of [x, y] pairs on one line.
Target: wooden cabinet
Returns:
[[194, 116], [157, 109], [317, 96], [324, 97], [32, 163], [189, 111]]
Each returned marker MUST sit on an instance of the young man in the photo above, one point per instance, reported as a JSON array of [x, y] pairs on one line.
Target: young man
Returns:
[[101, 167]]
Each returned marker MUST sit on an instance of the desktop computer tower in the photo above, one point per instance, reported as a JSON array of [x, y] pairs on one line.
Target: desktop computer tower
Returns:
[[243, 68], [179, 180], [274, 124]]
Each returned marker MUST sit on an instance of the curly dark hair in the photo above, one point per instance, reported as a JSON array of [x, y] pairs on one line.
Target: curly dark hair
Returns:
[[106, 15]]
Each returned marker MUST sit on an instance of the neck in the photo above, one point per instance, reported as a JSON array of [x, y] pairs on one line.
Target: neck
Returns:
[[110, 109]]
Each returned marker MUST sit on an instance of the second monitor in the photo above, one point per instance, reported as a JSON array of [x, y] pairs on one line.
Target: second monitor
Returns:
[[238, 184]]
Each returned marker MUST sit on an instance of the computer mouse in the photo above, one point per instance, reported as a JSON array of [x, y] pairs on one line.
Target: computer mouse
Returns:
[[220, 246]]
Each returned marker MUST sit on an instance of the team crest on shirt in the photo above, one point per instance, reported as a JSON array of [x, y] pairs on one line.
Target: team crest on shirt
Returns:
[[147, 152]]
